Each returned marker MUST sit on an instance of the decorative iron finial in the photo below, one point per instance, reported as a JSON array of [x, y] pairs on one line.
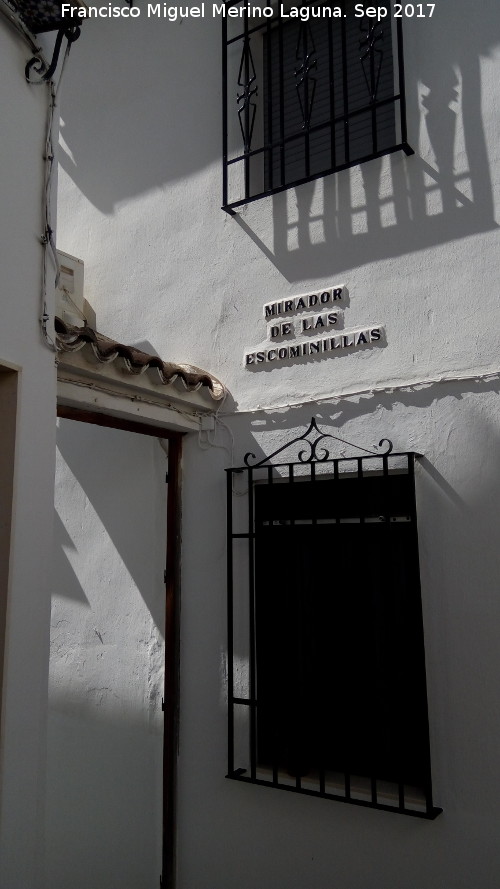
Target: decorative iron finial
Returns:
[[312, 455]]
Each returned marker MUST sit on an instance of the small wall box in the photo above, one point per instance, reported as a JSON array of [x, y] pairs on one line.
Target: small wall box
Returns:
[[71, 305]]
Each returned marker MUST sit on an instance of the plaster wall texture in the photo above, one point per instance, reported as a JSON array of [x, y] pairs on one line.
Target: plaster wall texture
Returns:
[[105, 721], [22, 764], [415, 240]]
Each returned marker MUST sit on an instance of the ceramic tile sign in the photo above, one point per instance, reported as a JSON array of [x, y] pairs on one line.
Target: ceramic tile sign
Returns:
[[310, 326]]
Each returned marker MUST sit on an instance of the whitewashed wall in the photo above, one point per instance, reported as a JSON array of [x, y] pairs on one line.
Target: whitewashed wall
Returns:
[[414, 239], [416, 242], [22, 756], [105, 726]]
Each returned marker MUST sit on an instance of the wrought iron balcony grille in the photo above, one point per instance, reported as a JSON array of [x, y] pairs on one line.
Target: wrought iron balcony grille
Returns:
[[43, 15], [326, 666], [303, 99]]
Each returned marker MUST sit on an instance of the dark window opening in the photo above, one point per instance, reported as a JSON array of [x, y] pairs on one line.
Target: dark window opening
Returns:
[[303, 99], [332, 112], [335, 704], [339, 655]]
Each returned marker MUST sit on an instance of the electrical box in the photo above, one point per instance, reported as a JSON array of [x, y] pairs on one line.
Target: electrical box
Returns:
[[71, 305]]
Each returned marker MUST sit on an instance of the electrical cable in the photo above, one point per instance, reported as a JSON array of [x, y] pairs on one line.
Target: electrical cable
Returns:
[[47, 238], [208, 442]]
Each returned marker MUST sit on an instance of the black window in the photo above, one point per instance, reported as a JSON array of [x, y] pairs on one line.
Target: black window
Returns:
[[303, 99], [327, 669]]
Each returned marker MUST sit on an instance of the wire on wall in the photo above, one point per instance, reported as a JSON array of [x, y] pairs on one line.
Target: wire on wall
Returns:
[[47, 239], [207, 438]]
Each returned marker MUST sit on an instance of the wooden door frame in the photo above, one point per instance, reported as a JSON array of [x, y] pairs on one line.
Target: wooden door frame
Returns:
[[172, 614], [9, 384]]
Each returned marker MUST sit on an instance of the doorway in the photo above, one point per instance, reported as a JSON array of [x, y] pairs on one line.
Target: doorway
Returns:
[[113, 647]]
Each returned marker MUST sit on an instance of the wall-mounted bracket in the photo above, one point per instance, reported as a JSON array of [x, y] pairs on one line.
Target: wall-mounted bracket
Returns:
[[37, 66]]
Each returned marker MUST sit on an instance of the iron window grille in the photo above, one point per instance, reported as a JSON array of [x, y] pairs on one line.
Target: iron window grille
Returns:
[[326, 666], [303, 99]]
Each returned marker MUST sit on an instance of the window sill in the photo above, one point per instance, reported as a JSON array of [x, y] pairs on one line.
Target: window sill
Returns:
[[360, 793]]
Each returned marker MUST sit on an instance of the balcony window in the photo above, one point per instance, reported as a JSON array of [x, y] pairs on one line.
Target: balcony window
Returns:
[[306, 98]]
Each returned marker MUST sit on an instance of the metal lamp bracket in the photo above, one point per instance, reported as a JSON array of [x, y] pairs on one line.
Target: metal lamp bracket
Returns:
[[37, 66]]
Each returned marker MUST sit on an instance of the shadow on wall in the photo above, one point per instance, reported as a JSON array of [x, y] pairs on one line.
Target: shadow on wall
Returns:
[[122, 476], [103, 826], [139, 106], [68, 583], [396, 205], [332, 416], [162, 124], [105, 724]]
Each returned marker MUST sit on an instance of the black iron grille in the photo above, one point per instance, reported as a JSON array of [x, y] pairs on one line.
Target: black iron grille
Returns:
[[327, 691], [42, 15], [303, 99]]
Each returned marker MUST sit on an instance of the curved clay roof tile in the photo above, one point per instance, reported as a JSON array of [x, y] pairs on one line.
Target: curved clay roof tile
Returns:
[[72, 339]]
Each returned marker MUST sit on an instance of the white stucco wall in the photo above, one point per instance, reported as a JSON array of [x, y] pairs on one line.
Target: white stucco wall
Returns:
[[416, 243], [22, 756], [105, 727], [146, 192]]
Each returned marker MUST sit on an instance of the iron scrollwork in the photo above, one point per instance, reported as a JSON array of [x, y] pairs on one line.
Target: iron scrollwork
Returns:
[[37, 65], [305, 83], [43, 17], [312, 455], [371, 55], [246, 108]]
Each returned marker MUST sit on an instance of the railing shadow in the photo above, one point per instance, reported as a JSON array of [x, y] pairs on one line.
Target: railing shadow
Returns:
[[396, 205]]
